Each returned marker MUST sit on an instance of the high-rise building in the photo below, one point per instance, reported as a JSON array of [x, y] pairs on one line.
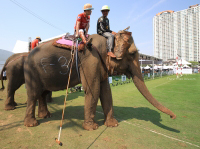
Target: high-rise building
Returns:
[[177, 33]]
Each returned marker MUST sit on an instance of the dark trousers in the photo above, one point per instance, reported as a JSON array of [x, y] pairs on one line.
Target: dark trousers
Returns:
[[110, 40]]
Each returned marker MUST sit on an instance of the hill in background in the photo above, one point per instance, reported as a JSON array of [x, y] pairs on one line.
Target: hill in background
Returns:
[[4, 54]]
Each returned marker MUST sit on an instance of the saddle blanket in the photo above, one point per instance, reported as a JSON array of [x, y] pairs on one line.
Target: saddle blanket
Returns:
[[63, 43]]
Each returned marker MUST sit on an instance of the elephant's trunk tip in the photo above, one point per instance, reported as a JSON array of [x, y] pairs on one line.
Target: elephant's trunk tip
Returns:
[[173, 116]]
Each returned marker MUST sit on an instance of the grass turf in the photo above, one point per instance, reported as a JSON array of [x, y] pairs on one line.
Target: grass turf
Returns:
[[141, 125]]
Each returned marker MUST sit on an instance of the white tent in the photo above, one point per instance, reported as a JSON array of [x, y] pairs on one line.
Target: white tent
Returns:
[[20, 47], [170, 67], [147, 67], [155, 67], [186, 66], [165, 67], [184, 62]]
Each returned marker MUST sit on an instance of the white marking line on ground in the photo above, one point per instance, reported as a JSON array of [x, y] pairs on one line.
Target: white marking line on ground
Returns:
[[154, 131], [161, 84]]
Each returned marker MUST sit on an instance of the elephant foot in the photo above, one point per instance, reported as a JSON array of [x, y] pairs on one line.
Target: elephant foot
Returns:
[[9, 107], [15, 104], [90, 126], [111, 122], [44, 114], [30, 122]]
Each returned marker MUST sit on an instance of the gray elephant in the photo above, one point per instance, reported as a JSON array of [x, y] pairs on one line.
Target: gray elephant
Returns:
[[47, 69], [14, 67]]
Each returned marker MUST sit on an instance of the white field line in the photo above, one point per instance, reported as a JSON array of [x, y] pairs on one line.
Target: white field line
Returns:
[[160, 84], [154, 131]]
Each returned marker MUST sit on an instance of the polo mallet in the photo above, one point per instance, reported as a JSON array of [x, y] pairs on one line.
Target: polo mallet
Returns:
[[66, 95]]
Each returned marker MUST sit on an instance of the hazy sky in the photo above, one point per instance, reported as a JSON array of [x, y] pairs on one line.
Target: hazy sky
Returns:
[[21, 19]]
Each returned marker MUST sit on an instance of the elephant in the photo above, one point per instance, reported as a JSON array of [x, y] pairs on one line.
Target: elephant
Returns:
[[47, 69], [14, 67]]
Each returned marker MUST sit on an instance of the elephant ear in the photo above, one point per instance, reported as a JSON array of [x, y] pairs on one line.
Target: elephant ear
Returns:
[[132, 48]]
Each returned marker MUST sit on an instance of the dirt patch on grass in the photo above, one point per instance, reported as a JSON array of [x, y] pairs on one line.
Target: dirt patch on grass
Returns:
[[19, 129], [9, 116], [122, 147], [182, 144], [107, 139]]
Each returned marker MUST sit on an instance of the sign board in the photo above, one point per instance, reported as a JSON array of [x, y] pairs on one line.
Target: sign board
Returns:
[[148, 75], [123, 78], [110, 80]]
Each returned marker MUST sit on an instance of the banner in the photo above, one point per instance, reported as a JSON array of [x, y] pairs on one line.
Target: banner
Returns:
[[110, 80]]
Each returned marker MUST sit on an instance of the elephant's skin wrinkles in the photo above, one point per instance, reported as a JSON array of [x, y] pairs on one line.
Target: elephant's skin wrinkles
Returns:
[[52, 75]]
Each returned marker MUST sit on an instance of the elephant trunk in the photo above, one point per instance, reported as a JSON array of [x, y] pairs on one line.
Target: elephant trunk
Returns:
[[139, 83]]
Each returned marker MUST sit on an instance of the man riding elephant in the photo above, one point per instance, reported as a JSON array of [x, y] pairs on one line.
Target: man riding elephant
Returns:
[[14, 67], [103, 28], [47, 69], [83, 23]]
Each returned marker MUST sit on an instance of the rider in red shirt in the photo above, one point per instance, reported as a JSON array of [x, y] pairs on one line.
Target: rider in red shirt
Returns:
[[83, 23], [35, 42]]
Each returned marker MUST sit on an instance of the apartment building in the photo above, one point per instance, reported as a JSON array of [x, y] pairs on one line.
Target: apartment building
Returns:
[[177, 33]]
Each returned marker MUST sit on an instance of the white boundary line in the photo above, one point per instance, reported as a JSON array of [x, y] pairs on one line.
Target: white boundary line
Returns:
[[160, 84], [154, 131]]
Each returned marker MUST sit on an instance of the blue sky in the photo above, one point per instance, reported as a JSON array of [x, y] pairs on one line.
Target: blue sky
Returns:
[[18, 24]]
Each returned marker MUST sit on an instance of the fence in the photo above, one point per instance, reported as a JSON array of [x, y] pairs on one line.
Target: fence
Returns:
[[120, 80]]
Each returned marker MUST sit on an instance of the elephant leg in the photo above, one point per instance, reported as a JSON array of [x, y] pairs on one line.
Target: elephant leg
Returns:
[[13, 85], [30, 119], [107, 104], [92, 91], [42, 107], [49, 97], [9, 103]]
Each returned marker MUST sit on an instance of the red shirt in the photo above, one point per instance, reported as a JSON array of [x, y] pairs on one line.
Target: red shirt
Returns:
[[83, 19], [33, 43]]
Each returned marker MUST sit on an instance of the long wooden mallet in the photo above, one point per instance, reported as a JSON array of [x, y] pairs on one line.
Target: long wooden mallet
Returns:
[[66, 95]]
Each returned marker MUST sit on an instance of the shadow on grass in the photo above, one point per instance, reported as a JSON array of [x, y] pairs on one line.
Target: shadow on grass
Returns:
[[11, 125], [59, 100], [1, 99], [21, 105], [74, 113], [121, 113], [141, 113]]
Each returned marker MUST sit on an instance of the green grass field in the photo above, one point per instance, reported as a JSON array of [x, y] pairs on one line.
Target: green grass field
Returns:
[[141, 126]]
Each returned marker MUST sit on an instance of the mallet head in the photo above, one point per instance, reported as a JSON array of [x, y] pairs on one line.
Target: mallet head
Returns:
[[57, 141]]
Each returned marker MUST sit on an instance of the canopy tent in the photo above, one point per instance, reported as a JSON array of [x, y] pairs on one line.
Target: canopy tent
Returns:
[[170, 67], [20, 47], [186, 66], [184, 62], [165, 67], [147, 67]]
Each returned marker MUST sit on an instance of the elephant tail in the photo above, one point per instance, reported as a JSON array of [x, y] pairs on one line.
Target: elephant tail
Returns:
[[1, 77]]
